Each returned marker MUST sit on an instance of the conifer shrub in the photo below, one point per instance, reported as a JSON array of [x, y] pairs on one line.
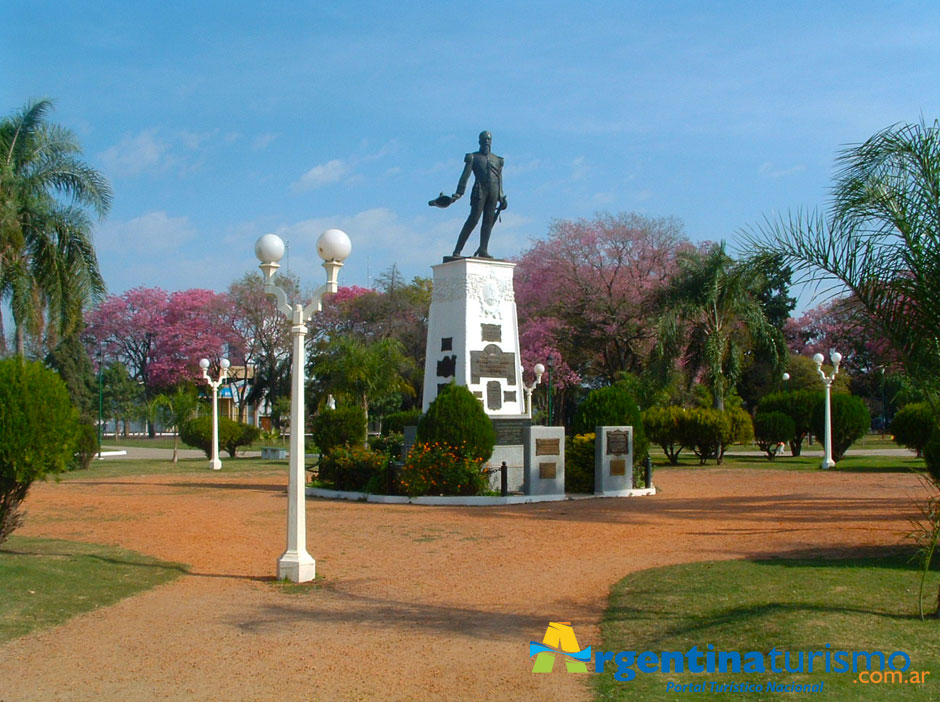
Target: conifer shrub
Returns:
[[912, 426], [771, 429], [850, 420], [612, 406], [86, 444], [38, 428], [343, 426], [456, 419], [932, 455]]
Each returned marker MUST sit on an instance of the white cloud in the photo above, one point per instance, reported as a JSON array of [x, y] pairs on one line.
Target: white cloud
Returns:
[[323, 174], [151, 233], [262, 141], [771, 170], [136, 154]]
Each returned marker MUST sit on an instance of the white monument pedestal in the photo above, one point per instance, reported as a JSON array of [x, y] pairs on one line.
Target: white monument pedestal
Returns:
[[473, 340]]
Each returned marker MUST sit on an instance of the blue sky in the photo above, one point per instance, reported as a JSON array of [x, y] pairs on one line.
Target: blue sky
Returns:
[[217, 122]]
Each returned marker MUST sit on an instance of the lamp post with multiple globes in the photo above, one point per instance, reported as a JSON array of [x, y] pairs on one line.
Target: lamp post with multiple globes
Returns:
[[333, 246], [836, 359]]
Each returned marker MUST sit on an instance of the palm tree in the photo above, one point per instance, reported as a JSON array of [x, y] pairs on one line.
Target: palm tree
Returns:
[[880, 241], [179, 408], [359, 371], [710, 315], [48, 267]]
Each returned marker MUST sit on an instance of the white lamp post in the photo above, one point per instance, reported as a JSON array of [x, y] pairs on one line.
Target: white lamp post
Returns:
[[333, 246], [214, 462], [539, 370], [836, 359]]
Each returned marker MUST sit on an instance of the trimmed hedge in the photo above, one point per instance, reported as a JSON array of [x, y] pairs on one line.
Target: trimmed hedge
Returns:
[[351, 467], [666, 427], [232, 435], [344, 426], [396, 422]]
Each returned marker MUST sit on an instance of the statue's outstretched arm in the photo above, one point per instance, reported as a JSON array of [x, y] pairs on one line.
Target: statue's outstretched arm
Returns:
[[465, 176]]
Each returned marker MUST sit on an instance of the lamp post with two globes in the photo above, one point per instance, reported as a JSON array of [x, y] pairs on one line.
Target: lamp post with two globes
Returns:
[[333, 246], [836, 359], [214, 462]]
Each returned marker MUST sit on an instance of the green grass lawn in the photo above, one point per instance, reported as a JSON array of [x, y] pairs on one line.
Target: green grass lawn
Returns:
[[44, 582], [799, 605], [849, 463], [112, 468]]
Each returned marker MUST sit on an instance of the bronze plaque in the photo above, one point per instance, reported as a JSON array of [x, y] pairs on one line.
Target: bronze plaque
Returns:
[[509, 396], [509, 432], [618, 466], [546, 471], [494, 395], [618, 442], [447, 343], [478, 394], [491, 332], [547, 447], [491, 362]]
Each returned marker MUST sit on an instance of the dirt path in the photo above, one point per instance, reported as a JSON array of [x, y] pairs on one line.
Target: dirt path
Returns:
[[417, 603]]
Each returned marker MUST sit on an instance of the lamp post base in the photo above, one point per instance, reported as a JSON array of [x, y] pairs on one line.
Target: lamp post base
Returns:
[[827, 465], [215, 464], [298, 568]]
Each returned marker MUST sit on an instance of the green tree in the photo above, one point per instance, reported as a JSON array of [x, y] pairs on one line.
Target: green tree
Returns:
[[37, 433], [122, 396], [850, 420], [178, 408], [48, 266], [363, 372], [710, 316]]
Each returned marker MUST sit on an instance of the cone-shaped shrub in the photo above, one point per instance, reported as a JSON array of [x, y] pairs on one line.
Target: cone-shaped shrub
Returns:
[[610, 407], [457, 419]]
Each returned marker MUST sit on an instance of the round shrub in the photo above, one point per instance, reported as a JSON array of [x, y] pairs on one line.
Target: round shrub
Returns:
[[232, 435], [912, 426], [351, 467], [932, 455], [396, 422], [664, 427], [612, 406], [389, 444], [38, 428], [771, 429], [799, 405], [850, 421], [579, 463], [457, 419], [340, 427], [708, 432], [437, 469]]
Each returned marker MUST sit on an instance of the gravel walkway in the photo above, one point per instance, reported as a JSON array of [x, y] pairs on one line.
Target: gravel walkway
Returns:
[[415, 603]]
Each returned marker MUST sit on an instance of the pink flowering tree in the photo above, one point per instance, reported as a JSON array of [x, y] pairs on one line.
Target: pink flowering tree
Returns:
[[592, 279]]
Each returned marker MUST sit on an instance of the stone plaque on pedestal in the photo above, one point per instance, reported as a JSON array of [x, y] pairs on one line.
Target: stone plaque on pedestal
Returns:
[[544, 461], [613, 460]]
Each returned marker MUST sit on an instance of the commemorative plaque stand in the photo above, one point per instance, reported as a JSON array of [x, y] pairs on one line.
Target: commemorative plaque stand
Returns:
[[613, 461], [473, 340]]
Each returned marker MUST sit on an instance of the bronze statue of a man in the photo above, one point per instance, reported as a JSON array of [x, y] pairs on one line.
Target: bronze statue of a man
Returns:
[[486, 196]]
